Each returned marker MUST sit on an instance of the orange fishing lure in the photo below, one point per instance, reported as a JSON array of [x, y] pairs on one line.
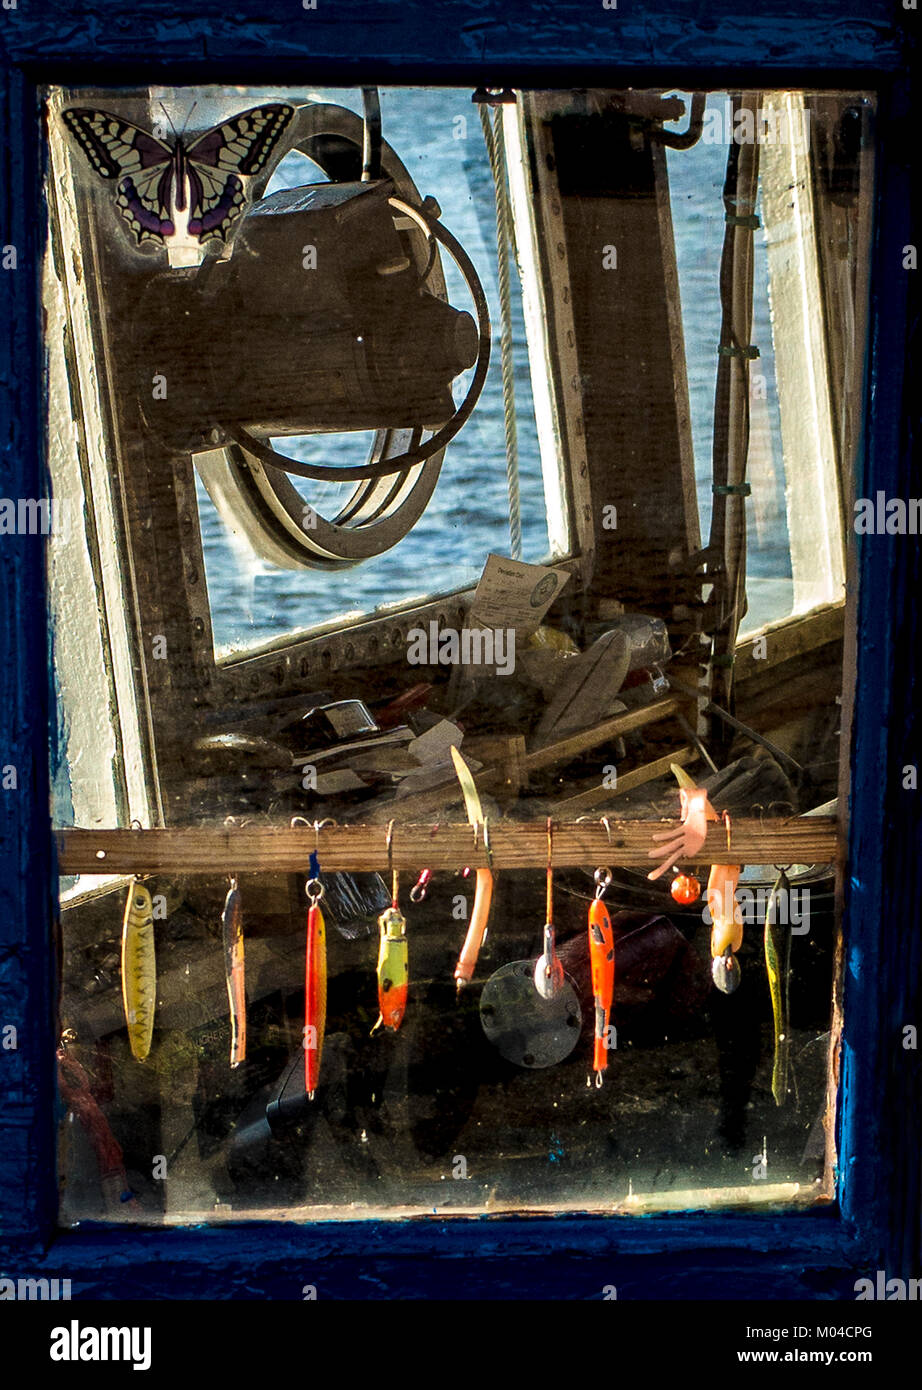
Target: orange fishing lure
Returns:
[[602, 964], [315, 982]]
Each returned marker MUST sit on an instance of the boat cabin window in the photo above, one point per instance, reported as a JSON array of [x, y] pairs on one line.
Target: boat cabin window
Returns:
[[257, 594], [451, 505]]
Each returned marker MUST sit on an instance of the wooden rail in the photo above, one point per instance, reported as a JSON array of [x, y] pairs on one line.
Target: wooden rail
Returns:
[[515, 845]]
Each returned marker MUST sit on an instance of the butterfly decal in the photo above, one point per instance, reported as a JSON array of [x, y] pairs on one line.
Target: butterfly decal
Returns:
[[157, 181]]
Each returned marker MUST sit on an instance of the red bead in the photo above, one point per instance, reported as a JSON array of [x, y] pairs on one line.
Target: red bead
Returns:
[[685, 889]]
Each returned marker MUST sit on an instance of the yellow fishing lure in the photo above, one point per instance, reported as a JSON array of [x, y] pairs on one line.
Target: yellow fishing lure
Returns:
[[778, 966], [393, 969], [139, 969]]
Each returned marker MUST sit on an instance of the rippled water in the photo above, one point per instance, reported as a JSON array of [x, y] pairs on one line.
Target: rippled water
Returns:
[[438, 136]]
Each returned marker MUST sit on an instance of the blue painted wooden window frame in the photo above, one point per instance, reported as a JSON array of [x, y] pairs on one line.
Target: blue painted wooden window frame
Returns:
[[817, 1253]]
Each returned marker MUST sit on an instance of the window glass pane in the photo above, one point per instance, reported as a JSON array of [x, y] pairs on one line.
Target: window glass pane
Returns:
[[197, 1080], [438, 134], [696, 179]]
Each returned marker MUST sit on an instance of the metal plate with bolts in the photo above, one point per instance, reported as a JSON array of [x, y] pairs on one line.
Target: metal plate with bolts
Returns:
[[524, 1028]]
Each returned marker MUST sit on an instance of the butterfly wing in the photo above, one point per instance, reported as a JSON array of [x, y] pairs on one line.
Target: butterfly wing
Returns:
[[143, 166], [217, 159]]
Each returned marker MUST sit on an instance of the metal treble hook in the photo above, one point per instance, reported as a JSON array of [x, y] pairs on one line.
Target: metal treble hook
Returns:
[[420, 887]]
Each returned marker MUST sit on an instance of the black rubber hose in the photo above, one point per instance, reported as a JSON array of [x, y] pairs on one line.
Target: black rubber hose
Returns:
[[268, 456]]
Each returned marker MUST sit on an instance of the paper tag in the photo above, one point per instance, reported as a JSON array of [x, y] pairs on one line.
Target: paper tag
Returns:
[[513, 594]]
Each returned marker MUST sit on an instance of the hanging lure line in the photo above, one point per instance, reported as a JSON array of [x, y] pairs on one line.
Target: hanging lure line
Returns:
[[548, 967]]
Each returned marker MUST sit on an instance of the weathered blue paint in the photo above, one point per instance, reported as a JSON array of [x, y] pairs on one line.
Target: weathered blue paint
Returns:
[[771, 1255], [880, 1079]]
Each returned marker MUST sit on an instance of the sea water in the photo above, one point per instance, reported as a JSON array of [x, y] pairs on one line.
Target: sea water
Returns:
[[438, 136]]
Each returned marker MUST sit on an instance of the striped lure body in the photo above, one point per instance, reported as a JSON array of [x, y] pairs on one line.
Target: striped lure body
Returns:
[[393, 969], [778, 965], [139, 969], [315, 996], [232, 933], [602, 964]]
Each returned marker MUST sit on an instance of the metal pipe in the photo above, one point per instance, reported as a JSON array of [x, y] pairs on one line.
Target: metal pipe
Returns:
[[371, 137]]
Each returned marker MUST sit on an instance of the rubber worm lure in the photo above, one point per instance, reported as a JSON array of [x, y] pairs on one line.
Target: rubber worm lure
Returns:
[[602, 965], [393, 964], [778, 965], [315, 981], [477, 928], [232, 932], [139, 969]]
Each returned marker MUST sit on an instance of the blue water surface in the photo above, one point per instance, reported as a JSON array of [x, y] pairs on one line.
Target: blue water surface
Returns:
[[438, 136]]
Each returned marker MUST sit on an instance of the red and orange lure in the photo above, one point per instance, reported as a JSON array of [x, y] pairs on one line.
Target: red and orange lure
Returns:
[[315, 981], [602, 965], [393, 969], [393, 954]]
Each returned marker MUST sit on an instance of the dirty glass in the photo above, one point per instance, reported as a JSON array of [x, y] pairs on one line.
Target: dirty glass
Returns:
[[222, 280], [253, 600]]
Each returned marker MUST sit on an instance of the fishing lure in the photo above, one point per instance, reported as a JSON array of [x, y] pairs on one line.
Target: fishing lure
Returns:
[[726, 925], [232, 932], [139, 969], [602, 964], [778, 965], [686, 843], [315, 981], [77, 1094], [393, 954], [477, 928], [685, 889], [548, 967], [393, 969], [483, 890]]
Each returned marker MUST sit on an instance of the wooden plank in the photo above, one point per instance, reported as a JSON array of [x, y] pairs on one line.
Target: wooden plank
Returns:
[[563, 749], [796, 637], [598, 794], [560, 751], [515, 845]]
